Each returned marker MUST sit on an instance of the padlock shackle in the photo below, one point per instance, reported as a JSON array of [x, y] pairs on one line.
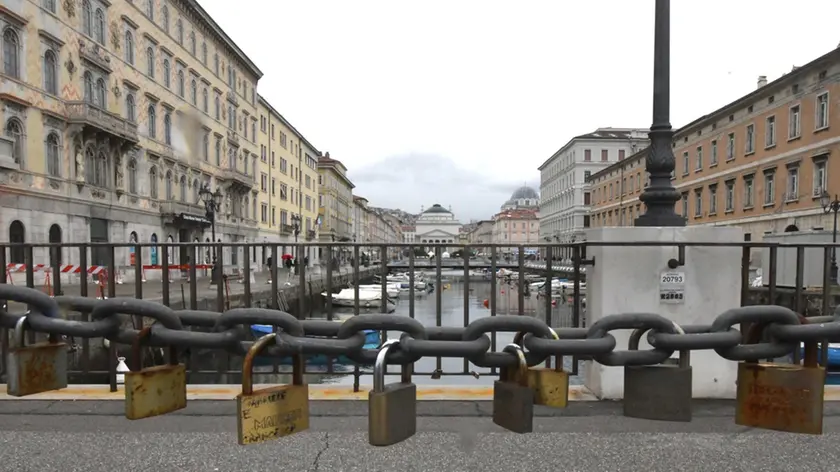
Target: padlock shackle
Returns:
[[18, 339], [522, 374], [136, 353], [248, 362], [519, 339], [380, 363]]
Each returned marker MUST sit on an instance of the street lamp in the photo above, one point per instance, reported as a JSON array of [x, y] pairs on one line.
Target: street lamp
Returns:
[[212, 204], [661, 196], [831, 206], [296, 225]]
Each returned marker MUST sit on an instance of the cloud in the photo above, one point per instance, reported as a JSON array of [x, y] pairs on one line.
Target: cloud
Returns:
[[410, 181]]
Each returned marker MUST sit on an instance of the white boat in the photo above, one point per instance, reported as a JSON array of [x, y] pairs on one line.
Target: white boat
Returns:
[[392, 289], [367, 299], [558, 285]]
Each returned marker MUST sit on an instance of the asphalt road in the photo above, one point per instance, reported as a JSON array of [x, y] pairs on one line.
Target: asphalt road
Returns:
[[452, 436]]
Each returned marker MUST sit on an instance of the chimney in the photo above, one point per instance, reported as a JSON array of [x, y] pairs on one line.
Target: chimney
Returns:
[[327, 155], [762, 81]]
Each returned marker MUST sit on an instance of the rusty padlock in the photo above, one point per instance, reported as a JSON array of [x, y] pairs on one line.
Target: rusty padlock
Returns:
[[551, 386], [781, 397], [271, 413], [513, 399], [157, 390], [41, 367]]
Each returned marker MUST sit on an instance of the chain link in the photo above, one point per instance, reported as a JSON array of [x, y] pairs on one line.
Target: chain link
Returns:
[[783, 329]]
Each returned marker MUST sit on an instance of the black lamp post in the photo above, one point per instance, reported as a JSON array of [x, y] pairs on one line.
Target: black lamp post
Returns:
[[831, 206], [661, 196], [296, 231], [212, 204]]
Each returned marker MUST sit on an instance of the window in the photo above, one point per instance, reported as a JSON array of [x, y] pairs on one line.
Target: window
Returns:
[[167, 129], [132, 176], [218, 152], [99, 26], [699, 157], [586, 175], [192, 43], [819, 176], [179, 31], [152, 122], [87, 18], [196, 189], [748, 191], [621, 154], [204, 53], [587, 153], [730, 147], [792, 191], [605, 155], [101, 93], [48, 5], [169, 191], [181, 83], [88, 79], [770, 132], [194, 92], [713, 158], [99, 173], [153, 183], [150, 9], [749, 146], [17, 235], [685, 163], [130, 108], [217, 107], [822, 111], [794, 124], [204, 101], [769, 188], [129, 47], [165, 16], [50, 73], [712, 199], [182, 188], [53, 155], [730, 195], [698, 202], [206, 147], [685, 204], [150, 62], [11, 53]]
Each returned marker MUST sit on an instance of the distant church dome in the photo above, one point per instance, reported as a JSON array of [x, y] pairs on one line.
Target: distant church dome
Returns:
[[525, 192], [436, 208], [523, 197]]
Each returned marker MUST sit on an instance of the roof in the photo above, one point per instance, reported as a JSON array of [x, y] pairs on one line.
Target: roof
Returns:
[[524, 192], [601, 134], [518, 214], [225, 38], [436, 208], [287, 124]]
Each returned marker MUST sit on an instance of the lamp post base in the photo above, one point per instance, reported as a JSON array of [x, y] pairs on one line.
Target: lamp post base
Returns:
[[659, 219]]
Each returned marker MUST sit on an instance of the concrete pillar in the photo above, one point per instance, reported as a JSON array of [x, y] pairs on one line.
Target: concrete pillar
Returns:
[[627, 279]]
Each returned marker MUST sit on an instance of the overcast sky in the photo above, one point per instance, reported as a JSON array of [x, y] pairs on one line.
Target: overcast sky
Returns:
[[459, 102]]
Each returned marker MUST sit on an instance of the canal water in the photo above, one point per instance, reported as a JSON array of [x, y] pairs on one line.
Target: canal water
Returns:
[[452, 371]]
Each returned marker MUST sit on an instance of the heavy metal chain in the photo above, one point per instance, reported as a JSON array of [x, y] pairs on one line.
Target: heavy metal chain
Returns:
[[784, 328]]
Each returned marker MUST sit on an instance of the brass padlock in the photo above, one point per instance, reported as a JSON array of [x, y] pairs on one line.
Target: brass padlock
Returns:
[[781, 397], [513, 399], [551, 386], [392, 408], [41, 367], [155, 390], [658, 392], [271, 413]]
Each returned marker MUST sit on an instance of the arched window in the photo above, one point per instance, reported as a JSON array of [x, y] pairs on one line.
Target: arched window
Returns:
[[153, 183], [167, 78], [53, 153], [179, 31], [132, 176], [153, 251], [152, 122], [150, 9], [130, 108], [129, 48], [90, 165], [217, 107], [101, 93], [245, 207], [194, 92], [87, 18], [165, 14], [167, 128], [192, 42], [89, 87], [218, 152], [49, 5], [50, 73], [206, 148], [101, 177], [216, 63], [183, 188], [150, 62], [99, 26], [17, 235], [169, 193], [204, 53], [205, 101], [14, 130], [11, 53], [55, 238], [181, 83], [196, 188], [171, 250]]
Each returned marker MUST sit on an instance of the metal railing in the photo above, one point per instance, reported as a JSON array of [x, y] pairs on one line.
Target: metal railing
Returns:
[[216, 330]]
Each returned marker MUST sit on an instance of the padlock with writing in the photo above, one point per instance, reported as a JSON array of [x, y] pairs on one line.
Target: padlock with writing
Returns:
[[781, 397], [274, 412], [513, 399], [392, 415], [658, 392], [41, 367], [157, 390], [551, 386]]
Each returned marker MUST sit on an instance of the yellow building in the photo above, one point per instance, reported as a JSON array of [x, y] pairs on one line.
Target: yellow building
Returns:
[[288, 180], [115, 113], [335, 202]]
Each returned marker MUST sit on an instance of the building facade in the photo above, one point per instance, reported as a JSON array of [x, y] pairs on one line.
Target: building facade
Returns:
[[115, 115], [437, 225], [761, 162], [516, 227], [564, 205], [335, 203]]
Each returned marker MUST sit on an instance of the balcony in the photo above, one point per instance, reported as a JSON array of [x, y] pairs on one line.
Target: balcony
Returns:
[[310, 235], [93, 118], [232, 98], [232, 137], [286, 229], [238, 178]]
